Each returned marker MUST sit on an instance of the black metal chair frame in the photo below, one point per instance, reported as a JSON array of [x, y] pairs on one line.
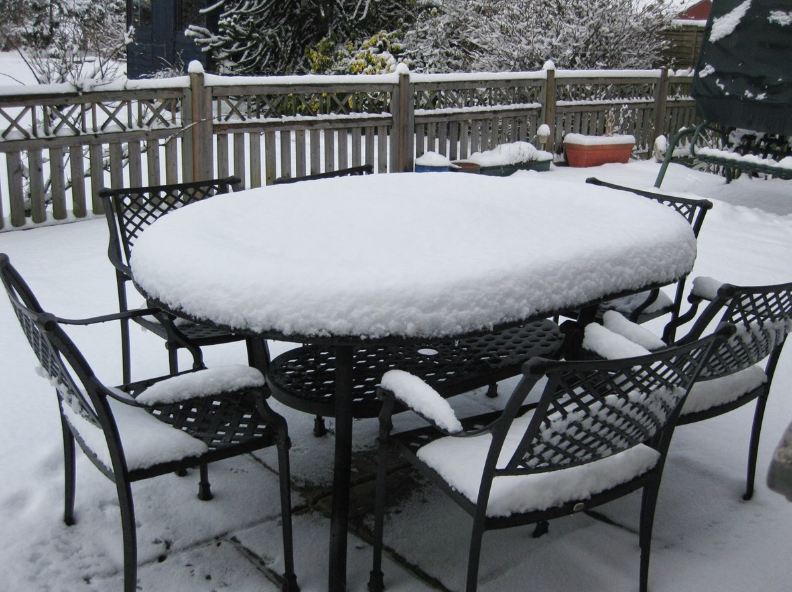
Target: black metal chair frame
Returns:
[[694, 211], [129, 211], [366, 169], [763, 314], [230, 423], [575, 392]]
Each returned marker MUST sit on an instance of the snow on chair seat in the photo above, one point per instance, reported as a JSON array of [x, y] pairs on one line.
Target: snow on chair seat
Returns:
[[460, 461], [146, 440]]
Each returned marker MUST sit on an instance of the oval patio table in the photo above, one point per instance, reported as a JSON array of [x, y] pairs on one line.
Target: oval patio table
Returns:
[[403, 256]]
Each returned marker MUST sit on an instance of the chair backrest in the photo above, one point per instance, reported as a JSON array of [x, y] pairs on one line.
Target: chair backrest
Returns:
[[693, 210], [130, 210], [50, 344], [763, 318], [590, 410], [365, 169]]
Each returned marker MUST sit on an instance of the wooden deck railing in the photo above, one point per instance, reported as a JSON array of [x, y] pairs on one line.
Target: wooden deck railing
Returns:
[[61, 145]]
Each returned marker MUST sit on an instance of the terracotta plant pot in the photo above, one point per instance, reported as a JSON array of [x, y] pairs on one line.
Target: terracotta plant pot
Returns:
[[588, 152]]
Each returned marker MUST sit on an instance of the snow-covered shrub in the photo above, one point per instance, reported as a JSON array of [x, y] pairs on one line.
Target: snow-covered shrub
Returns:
[[70, 40], [377, 55]]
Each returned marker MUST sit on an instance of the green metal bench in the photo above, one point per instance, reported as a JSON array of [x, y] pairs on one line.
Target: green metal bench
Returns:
[[753, 153]]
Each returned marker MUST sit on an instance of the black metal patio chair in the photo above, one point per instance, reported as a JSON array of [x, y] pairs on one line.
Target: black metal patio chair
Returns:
[[604, 422], [129, 211], [743, 368], [149, 428], [366, 169], [651, 304]]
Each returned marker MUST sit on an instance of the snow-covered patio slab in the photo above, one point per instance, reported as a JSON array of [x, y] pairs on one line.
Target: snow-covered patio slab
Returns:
[[706, 537]]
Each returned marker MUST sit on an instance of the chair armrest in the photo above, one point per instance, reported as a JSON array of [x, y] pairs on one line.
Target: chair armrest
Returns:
[[421, 398], [128, 314], [716, 294], [610, 345], [121, 267], [636, 333], [706, 288], [162, 317], [201, 383]]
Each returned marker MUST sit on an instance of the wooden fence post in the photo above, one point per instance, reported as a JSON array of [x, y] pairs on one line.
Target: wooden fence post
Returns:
[[197, 148], [549, 105], [403, 130], [661, 101]]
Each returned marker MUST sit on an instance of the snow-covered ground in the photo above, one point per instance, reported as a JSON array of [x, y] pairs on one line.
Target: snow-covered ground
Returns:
[[706, 537]]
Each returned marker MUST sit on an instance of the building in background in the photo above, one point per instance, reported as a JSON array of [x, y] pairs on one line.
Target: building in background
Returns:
[[159, 41], [686, 36]]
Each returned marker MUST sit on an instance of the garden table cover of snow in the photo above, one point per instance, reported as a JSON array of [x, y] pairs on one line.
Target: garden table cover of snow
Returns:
[[402, 255], [416, 255]]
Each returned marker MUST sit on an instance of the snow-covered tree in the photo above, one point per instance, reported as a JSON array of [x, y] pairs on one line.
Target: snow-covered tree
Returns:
[[271, 36], [453, 35], [500, 35]]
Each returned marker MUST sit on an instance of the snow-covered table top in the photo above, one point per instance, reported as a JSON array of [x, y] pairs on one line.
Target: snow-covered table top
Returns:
[[416, 255]]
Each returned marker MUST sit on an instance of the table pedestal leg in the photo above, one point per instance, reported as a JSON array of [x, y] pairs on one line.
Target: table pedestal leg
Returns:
[[342, 469], [258, 353]]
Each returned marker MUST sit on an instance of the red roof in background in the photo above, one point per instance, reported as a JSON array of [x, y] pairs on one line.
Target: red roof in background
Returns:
[[697, 12]]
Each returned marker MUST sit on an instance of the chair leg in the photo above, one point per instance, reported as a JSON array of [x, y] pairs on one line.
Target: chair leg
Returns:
[[492, 390], [542, 528], [69, 473], [320, 429], [204, 488], [648, 505], [474, 556], [753, 447], [284, 471], [128, 532], [173, 359], [126, 356], [126, 363], [376, 581]]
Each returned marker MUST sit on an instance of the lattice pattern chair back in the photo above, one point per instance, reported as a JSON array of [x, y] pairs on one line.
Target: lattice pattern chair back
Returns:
[[39, 328], [693, 210], [592, 410], [136, 208], [763, 317]]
